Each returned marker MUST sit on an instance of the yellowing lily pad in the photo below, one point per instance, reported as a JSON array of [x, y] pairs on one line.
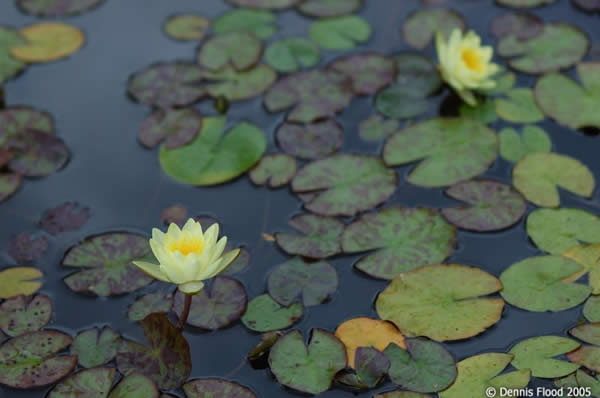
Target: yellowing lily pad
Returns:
[[48, 42], [187, 27], [589, 257], [536, 354], [587, 332], [17, 281], [322, 239]]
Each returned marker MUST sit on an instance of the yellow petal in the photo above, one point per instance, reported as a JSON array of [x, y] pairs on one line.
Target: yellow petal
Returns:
[[152, 269], [467, 96], [191, 287], [227, 259]]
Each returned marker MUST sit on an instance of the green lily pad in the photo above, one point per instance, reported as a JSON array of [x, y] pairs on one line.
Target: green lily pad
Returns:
[[66, 217], [310, 141], [587, 356], [216, 388], [580, 379], [166, 361], [424, 366], [265, 314], [478, 373], [558, 46], [297, 280], [238, 49], [452, 150], [589, 257], [275, 170], [213, 158], [313, 95], [321, 240], [376, 128], [38, 154], [587, 332], [442, 302], [340, 33], [484, 111], [261, 23], [186, 27], [311, 368], [591, 309], [519, 107], [135, 386], [421, 26], [9, 65], [89, 383], [523, 25], [537, 355], [17, 120], [491, 205], [57, 8], [177, 127], [536, 284], [514, 147], [329, 8], [9, 184], [368, 73], [149, 304], [538, 175], [569, 103], [504, 83], [16, 281], [24, 314], [239, 85], [95, 347], [370, 367], [404, 239], [217, 306], [271, 4], [291, 55], [524, 3], [24, 248], [106, 263], [345, 184], [31, 360]]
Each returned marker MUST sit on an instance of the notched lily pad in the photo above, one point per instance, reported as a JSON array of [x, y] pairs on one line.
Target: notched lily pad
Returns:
[[265, 314], [17, 281], [519, 107], [587, 356], [261, 23], [523, 25], [310, 141], [589, 257], [89, 383], [329, 8], [340, 33], [149, 304], [95, 347], [177, 127], [24, 314], [421, 26], [371, 366], [588, 332], [238, 49], [275, 170], [591, 309], [48, 41], [321, 240], [186, 27], [15, 120], [524, 3], [66, 217], [368, 72], [24, 248], [38, 154], [514, 147], [9, 184], [376, 128], [292, 54], [9, 65], [537, 355], [135, 386], [57, 8], [272, 4], [236, 85], [216, 388]]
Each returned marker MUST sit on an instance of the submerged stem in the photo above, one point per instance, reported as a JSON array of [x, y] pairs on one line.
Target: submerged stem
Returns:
[[186, 311]]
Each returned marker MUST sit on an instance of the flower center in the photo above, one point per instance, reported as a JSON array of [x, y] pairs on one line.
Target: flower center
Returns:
[[187, 245], [472, 60]]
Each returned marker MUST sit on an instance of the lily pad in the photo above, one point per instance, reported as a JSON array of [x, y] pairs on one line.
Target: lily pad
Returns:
[[421, 26], [368, 72], [424, 366], [31, 360], [57, 8], [271, 4], [39, 154], [236, 85], [217, 306], [216, 388], [523, 25], [9, 184], [514, 147], [135, 386], [371, 366], [17, 281], [537, 355], [95, 347], [587, 5], [106, 263], [442, 302], [238, 49], [340, 33], [491, 206], [452, 150], [177, 214], [166, 361], [265, 314], [310, 141], [484, 111], [321, 240], [589, 257], [24, 248], [187, 27], [345, 184], [24, 314], [48, 41], [66, 217], [536, 284], [587, 356], [275, 170], [297, 280], [588, 332], [311, 368], [16, 120], [212, 157], [401, 394], [539, 175], [329, 8], [261, 23], [558, 46], [149, 304], [591, 309], [405, 239], [89, 383], [177, 127], [239, 264], [9, 65], [376, 128], [524, 3], [519, 107], [291, 55]]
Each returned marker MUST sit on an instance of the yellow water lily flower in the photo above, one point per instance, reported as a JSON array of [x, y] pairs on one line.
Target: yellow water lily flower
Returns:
[[188, 256], [465, 64]]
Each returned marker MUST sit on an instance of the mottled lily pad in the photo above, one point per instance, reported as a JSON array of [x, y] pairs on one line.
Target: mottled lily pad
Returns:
[[376, 128], [345, 184], [490, 206], [239, 264], [217, 306], [591, 309], [31, 360], [311, 368], [329, 8], [539, 175], [405, 239], [166, 361], [589, 257], [523, 25], [291, 55], [272, 4], [9, 65], [24, 314], [588, 332], [442, 302], [424, 366], [421, 26], [24, 248], [66, 217], [236, 85], [587, 356], [519, 107], [216, 388], [514, 147], [371, 366], [340, 33], [214, 157], [177, 127], [536, 284], [187, 27], [310, 141], [149, 304], [274, 170], [321, 240], [9, 184], [106, 263], [537, 354], [238, 49], [135, 386], [17, 281], [49, 41], [368, 72], [524, 3], [89, 383], [95, 347], [265, 314], [453, 149], [57, 8], [38, 154], [16, 120], [261, 23]]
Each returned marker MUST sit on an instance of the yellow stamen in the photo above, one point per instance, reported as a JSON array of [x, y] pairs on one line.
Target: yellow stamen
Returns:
[[187, 245], [472, 60]]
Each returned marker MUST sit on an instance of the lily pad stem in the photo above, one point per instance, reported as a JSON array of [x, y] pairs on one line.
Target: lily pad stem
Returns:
[[186, 311]]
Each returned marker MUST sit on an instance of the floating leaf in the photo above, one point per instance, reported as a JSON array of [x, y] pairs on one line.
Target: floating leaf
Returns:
[[30, 360], [345, 184], [310, 141], [329, 8], [258, 356], [513, 147], [186, 27], [24, 314], [519, 107], [95, 347], [587, 356], [588, 332], [371, 366], [424, 366], [340, 33], [107, 265], [401, 394], [66, 217], [9, 184], [537, 355], [234, 86], [265, 314], [89, 383], [504, 83], [216, 388], [273, 4], [484, 111], [538, 175], [17, 281], [217, 306], [9, 65], [135, 386], [589, 257], [275, 170], [536, 284], [375, 128], [579, 379], [368, 72], [177, 127], [212, 157], [522, 24], [591, 309], [442, 302], [261, 23], [421, 26], [290, 55], [149, 304], [524, 3], [239, 264], [49, 41], [405, 239], [57, 8], [177, 214], [39, 154], [311, 368], [166, 361], [558, 46], [238, 49], [24, 248], [491, 205], [453, 149], [321, 240]]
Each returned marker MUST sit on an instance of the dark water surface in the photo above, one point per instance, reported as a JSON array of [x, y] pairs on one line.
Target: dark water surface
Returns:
[[125, 188]]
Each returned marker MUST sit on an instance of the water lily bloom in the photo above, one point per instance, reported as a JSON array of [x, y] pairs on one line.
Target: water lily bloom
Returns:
[[188, 256], [465, 64]]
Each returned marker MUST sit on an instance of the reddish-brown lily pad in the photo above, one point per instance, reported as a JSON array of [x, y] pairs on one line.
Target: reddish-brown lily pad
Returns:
[[24, 314], [57, 8], [95, 347], [274, 170], [329, 8], [9, 184], [149, 304], [89, 383], [177, 127], [523, 25], [65, 217], [15, 120], [238, 49], [367, 72], [216, 388], [310, 141], [321, 240], [38, 154], [239, 264], [24, 248], [135, 385], [271, 4]]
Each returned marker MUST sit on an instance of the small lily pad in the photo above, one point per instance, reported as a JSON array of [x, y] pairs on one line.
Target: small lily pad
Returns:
[[24, 248], [9, 65], [17, 281], [589, 257], [421, 26], [95, 347], [177, 214], [57, 8], [49, 41], [524, 3], [587, 356], [404, 239], [149, 304], [16, 120], [261, 23], [537, 355], [591, 309], [89, 383], [24, 314], [310, 141], [523, 25], [329, 8], [370, 368], [216, 388], [270, 4], [514, 147], [340, 33], [519, 107], [368, 72], [265, 314], [135, 386], [236, 85], [66, 217], [321, 240], [275, 170], [238, 49], [177, 127], [376, 128], [39, 154], [291, 55], [187, 27], [9, 184], [587, 332]]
